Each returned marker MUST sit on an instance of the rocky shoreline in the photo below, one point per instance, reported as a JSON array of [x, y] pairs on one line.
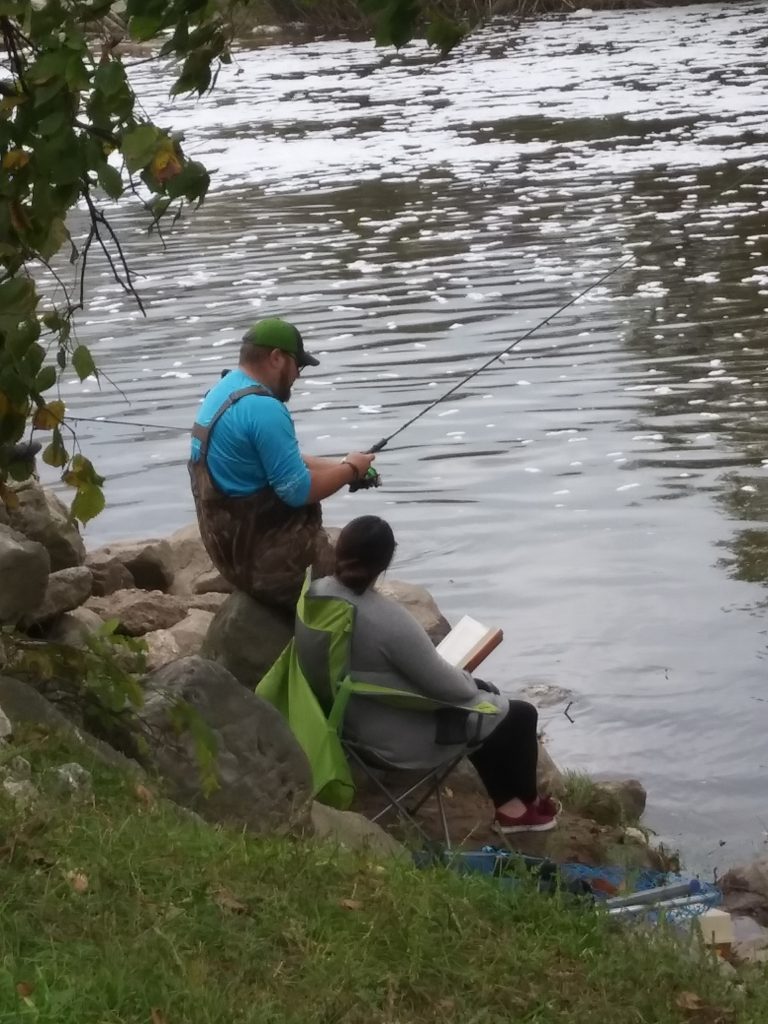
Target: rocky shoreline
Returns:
[[348, 23], [206, 647]]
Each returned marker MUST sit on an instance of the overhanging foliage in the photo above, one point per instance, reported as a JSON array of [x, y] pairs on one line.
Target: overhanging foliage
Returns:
[[72, 133]]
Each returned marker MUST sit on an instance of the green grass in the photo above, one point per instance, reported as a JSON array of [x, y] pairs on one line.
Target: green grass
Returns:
[[182, 923]]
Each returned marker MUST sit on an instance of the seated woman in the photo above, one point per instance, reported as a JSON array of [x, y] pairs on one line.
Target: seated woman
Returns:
[[390, 648]]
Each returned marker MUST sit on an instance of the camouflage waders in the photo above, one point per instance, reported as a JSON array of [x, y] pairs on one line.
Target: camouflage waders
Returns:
[[258, 543]]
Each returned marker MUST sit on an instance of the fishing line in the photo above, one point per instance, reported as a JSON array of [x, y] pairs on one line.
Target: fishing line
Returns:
[[380, 445], [465, 380]]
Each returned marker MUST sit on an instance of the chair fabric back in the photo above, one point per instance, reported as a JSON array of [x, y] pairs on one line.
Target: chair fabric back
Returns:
[[312, 692]]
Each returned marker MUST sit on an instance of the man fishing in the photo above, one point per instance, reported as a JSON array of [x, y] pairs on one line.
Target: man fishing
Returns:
[[257, 497]]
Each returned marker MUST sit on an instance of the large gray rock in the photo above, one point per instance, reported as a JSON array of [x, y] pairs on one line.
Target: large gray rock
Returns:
[[209, 602], [191, 631], [162, 648], [420, 603], [24, 706], [24, 568], [264, 779], [67, 589], [109, 573], [139, 611], [148, 561], [745, 890], [74, 628], [246, 637], [352, 831], [190, 560], [41, 516]]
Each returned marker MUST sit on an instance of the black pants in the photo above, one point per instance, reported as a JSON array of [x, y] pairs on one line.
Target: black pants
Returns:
[[506, 761]]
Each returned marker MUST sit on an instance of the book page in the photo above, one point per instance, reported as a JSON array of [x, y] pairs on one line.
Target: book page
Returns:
[[467, 635]]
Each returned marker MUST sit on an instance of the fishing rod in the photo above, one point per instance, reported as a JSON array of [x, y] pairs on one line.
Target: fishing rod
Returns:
[[523, 337]]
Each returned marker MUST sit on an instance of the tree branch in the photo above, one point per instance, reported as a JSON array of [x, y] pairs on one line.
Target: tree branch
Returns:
[[98, 218]]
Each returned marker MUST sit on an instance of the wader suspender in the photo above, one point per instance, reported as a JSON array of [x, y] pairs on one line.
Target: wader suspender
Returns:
[[259, 544], [203, 434]]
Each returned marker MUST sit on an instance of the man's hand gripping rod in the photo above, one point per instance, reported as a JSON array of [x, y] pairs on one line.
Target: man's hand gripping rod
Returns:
[[371, 478]]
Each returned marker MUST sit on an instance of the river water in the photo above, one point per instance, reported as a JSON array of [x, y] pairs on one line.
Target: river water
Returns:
[[601, 493]]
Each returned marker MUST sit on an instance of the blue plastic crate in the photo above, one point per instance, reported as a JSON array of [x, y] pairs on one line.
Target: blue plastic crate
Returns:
[[599, 883]]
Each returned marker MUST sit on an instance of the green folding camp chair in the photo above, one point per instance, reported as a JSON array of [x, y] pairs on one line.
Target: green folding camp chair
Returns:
[[315, 712]]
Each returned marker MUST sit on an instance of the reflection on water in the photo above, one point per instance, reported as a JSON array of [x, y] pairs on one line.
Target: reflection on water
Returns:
[[600, 492]]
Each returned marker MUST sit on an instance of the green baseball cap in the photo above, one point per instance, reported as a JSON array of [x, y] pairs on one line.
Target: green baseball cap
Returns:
[[276, 333]]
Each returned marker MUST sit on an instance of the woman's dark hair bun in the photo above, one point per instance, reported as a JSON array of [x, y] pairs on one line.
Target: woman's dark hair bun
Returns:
[[364, 550]]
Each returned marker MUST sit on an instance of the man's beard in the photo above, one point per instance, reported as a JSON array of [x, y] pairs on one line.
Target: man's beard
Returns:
[[283, 388]]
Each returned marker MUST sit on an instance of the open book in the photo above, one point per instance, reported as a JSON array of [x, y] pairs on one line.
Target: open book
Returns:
[[469, 643]]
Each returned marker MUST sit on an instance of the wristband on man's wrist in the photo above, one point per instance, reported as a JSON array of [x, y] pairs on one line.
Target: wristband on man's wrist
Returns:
[[353, 467]]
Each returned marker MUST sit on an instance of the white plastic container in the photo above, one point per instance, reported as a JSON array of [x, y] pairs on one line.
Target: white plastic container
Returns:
[[717, 929]]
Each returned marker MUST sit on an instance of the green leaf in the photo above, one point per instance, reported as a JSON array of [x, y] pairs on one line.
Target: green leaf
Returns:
[[77, 75], [110, 77], [55, 237], [48, 66], [34, 356], [195, 74], [82, 472], [18, 471], [111, 181], [146, 26], [21, 337], [17, 297], [46, 92], [89, 501], [54, 122], [192, 183], [138, 146], [53, 320], [55, 454], [444, 33], [82, 360], [45, 379]]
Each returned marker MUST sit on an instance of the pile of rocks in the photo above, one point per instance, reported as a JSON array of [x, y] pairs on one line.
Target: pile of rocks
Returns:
[[165, 591], [207, 648]]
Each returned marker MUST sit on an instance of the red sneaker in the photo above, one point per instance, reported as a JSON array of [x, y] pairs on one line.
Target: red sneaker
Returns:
[[533, 820], [548, 805]]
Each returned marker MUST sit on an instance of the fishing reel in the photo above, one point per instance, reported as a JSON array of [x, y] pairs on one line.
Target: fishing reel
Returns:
[[370, 479]]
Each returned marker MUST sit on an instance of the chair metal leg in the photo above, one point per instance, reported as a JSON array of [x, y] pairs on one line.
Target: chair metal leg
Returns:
[[394, 801], [439, 775], [443, 818], [433, 780]]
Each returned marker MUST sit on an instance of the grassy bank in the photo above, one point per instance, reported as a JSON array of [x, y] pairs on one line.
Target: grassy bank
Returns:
[[120, 908]]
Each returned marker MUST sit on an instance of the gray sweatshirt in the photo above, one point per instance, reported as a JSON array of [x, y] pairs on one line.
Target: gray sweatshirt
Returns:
[[390, 648]]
